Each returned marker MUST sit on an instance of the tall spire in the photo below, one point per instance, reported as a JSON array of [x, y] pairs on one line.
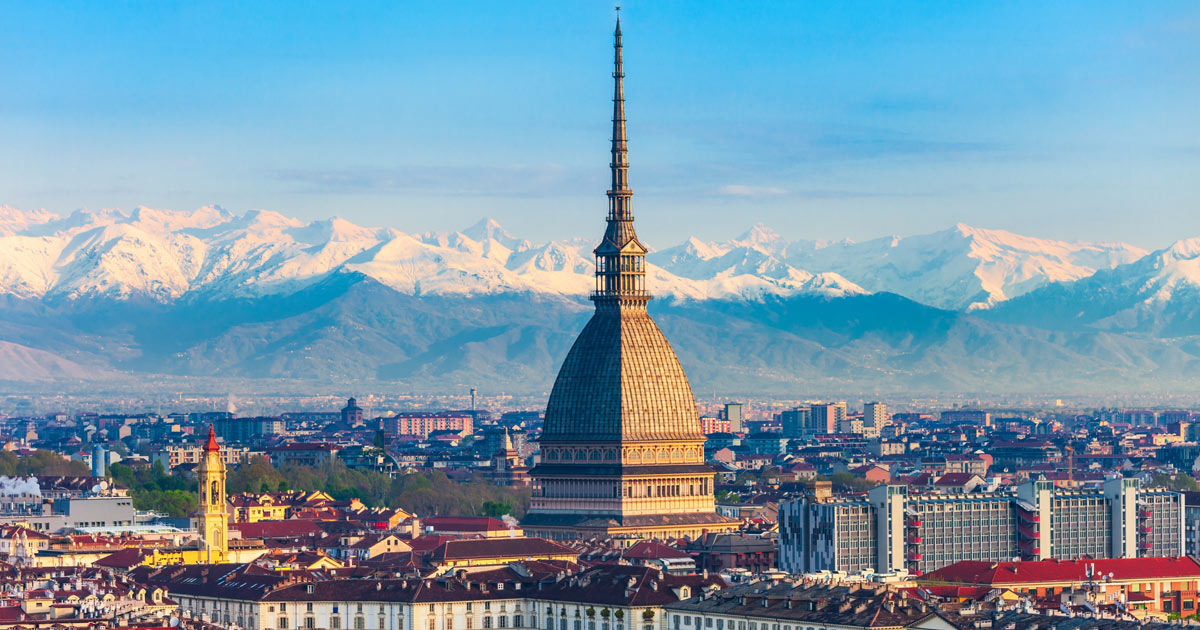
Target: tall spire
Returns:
[[620, 193], [620, 257]]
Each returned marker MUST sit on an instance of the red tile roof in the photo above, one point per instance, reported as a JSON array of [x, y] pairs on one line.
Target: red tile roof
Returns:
[[650, 550], [464, 524], [1033, 572], [499, 548], [278, 529]]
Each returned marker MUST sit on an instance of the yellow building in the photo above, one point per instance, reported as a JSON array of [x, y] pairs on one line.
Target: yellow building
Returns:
[[211, 517], [252, 508]]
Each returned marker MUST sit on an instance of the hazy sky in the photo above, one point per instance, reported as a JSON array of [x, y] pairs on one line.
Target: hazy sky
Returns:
[[820, 119]]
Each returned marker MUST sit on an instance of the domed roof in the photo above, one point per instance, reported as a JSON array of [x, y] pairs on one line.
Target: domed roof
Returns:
[[621, 381]]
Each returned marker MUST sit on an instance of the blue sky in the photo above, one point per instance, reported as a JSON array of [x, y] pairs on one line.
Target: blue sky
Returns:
[[1074, 120]]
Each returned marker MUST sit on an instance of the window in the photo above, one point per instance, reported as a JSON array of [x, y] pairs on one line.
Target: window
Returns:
[[283, 607], [335, 623], [308, 607], [283, 622], [470, 619], [359, 623], [487, 622], [549, 623], [432, 623], [503, 621], [516, 621], [309, 623]]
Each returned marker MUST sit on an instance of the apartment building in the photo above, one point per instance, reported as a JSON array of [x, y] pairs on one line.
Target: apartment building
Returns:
[[893, 529]]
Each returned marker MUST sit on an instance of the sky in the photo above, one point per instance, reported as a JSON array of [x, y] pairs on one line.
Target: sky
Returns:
[[823, 120]]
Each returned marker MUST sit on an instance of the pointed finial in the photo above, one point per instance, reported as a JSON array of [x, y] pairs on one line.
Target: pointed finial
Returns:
[[212, 446]]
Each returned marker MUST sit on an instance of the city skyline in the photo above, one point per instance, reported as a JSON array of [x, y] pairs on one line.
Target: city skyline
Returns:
[[855, 121]]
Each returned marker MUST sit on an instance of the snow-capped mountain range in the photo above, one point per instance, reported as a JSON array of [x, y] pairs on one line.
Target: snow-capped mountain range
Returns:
[[166, 255], [215, 294]]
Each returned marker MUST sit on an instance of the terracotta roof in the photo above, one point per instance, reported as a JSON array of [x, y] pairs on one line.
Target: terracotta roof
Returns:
[[498, 548], [464, 523], [278, 529], [1017, 573], [954, 479], [650, 550], [123, 559]]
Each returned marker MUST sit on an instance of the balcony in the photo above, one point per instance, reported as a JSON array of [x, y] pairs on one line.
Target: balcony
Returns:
[[1146, 529], [913, 522], [913, 555], [1026, 532], [1029, 517], [1146, 544], [914, 540], [1145, 513]]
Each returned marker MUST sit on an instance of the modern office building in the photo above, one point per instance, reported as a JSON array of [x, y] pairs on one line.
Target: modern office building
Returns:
[[893, 529]]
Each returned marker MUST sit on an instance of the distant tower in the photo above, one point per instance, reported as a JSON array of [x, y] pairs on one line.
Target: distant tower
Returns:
[[98, 463], [507, 468], [352, 414], [211, 516]]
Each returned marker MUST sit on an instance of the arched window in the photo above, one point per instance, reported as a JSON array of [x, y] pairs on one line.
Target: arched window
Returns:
[[215, 494]]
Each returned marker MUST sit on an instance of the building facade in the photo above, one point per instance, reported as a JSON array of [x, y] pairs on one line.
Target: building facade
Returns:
[[893, 529], [622, 453], [421, 424]]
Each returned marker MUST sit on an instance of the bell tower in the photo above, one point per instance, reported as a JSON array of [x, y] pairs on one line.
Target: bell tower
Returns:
[[211, 517]]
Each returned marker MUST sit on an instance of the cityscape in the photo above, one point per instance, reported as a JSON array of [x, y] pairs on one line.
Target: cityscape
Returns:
[[216, 420]]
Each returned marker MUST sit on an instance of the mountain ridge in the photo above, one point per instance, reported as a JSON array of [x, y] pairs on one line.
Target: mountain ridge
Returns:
[[259, 295]]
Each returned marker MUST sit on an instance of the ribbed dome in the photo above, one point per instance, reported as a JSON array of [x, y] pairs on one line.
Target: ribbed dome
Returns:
[[621, 381]]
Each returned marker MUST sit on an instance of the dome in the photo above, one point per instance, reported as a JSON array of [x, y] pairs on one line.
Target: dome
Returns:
[[621, 381]]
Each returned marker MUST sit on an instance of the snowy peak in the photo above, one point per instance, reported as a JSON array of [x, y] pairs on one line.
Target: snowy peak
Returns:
[[165, 255], [964, 267], [761, 238]]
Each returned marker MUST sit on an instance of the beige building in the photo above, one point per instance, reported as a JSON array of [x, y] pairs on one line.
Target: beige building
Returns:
[[622, 450]]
